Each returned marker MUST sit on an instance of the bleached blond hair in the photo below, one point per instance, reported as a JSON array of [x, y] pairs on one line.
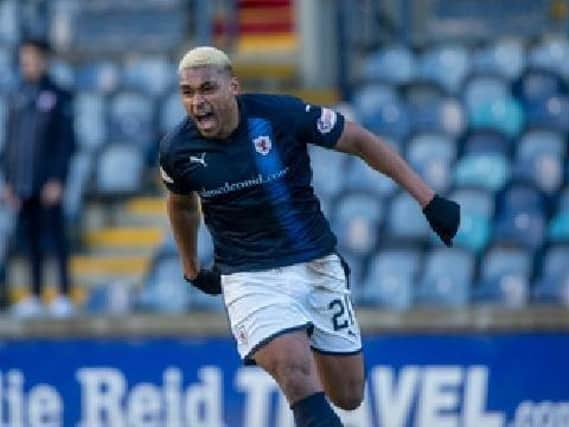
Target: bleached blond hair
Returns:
[[203, 56]]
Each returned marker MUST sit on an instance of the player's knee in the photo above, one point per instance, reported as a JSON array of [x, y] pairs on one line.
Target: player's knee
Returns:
[[293, 375], [349, 397]]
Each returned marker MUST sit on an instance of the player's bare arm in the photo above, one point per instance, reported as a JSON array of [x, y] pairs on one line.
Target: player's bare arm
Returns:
[[184, 214], [380, 156], [443, 215]]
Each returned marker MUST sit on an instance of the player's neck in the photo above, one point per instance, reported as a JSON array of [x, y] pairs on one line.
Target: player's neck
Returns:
[[232, 122]]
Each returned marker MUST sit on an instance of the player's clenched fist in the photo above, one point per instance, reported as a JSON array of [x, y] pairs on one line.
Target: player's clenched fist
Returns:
[[207, 281], [444, 217]]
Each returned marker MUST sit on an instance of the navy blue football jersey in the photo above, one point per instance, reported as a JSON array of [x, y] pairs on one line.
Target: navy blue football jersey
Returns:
[[255, 186]]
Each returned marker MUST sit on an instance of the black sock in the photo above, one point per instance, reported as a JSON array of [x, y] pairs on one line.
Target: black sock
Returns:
[[315, 411]]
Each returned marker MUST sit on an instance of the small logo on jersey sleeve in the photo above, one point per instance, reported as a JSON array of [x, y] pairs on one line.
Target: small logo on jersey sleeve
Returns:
[[263, 144], [327, 120], [165, 177]]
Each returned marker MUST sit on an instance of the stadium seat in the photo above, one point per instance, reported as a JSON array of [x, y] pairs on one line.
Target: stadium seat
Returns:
[[391, 277], [553, 285], [539, 159], [444, 115], [405, 221], [368, 98], [551, 53], [165, 290], [325, 165], [10, 29], [558, 229], [119, 170], [503, 114], [504, 277], [390, 119], [476, 212], [485, 141], [445, 64], [536, 85], [392, 64], [2, 123], [77, 184], [486, 171], [90, 120], [101, 77], [63, 73], [360, 176], [505, 57], [356, 218], [8, 77], [480, 90], [151, 75], [552, 112], [520, 216], [132, 119], [432, 156], [446, 278], [171, 112], [110, 299]]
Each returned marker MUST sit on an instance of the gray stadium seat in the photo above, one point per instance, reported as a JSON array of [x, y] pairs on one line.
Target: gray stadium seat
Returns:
[[391, 277], [446, 278], [119, 170]]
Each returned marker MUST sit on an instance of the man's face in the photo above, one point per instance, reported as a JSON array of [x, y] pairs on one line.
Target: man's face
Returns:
[[33, 63], [208, 95]]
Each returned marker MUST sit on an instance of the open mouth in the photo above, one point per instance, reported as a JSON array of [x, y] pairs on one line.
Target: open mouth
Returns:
[[205, 120]]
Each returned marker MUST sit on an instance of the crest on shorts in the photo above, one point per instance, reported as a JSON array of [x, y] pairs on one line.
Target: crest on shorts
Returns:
[[263, 144]]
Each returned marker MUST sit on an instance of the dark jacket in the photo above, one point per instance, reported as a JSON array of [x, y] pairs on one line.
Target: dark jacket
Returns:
[[39, 137]]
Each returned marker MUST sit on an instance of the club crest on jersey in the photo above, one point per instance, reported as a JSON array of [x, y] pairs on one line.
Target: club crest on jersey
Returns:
[[199, 159], [326, 121], [263, 144]]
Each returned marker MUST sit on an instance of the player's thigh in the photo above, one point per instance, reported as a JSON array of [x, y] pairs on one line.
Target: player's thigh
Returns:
[[290, 362], [343, 378]]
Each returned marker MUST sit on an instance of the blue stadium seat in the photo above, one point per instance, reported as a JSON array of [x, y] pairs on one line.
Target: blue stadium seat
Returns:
[[101, 77], [505, 57], [445, 64], [551, 53], [446, 278], [7, 227], [539, 159], [360, 176], [2, 123], [432, 156], [391, 277], [486, 171], [390, 119], [171, 112], [10, 28], [8, 76], [553, 285], [110, 299], [480, 90], [444, 115], [90, 120], [132, 119], [63, 73], [77, 185], [552, 112], [504, 114], [356, 218], [325, 164], [392, 64], [164, 289], [558, 229], [119, 170], [504, 277], [369, 98], [151, 75], [485, 141], [520, 216], [476, 211], [536, 85], [405, 221]]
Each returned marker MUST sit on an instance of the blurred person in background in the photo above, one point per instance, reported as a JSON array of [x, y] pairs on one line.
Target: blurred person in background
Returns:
[[38, 149], [242, 159]]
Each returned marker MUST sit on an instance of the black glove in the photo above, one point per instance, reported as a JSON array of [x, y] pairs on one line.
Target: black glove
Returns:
[[207, 281], [444, 217]]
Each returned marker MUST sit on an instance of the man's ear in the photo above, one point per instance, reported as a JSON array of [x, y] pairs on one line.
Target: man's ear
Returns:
[[235, 86]]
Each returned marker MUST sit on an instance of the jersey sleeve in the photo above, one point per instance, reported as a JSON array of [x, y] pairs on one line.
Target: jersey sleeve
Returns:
[[319, 125], [171, 171]]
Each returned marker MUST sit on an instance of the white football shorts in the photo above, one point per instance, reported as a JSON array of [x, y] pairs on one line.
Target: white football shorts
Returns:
[[313, 295]]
